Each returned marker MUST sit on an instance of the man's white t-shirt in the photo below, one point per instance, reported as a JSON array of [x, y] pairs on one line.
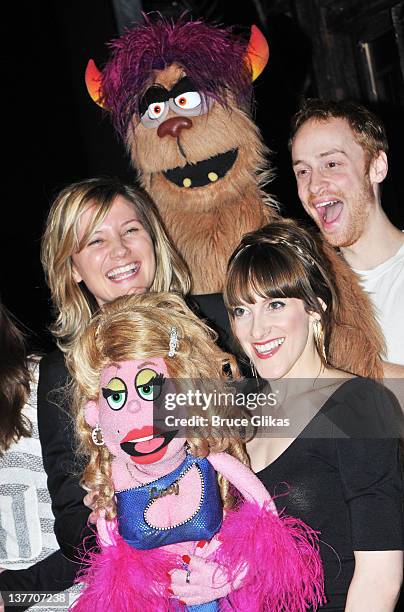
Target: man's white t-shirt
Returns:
[[385, 284]]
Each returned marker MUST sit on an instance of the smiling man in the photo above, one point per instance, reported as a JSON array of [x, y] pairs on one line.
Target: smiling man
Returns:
[[339, 155]]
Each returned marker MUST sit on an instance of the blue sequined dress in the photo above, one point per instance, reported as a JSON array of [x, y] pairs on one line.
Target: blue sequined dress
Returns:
[[132, 506]]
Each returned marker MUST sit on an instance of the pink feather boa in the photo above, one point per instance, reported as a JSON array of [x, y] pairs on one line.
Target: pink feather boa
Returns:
[[121, 578], [279, 555]]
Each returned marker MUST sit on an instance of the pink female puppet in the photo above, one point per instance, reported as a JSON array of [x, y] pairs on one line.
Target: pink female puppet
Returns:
[[164, 544]]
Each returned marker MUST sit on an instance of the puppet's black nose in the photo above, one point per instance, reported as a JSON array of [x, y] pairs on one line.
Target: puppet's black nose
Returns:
[[172, 127]]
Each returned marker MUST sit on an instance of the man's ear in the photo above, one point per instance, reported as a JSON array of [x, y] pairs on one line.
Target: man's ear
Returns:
[[91, 413], [378, 168]]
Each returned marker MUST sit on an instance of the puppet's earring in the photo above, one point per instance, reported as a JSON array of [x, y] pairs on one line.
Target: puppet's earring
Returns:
[[97, 436], [318, 333], [173, 342]]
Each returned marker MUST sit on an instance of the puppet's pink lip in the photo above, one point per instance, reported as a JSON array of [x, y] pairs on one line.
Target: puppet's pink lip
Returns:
[[135, 434], [204, 172], [137, 447]]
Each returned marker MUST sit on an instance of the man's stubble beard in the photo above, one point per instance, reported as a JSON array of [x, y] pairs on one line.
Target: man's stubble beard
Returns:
[[358, 210]]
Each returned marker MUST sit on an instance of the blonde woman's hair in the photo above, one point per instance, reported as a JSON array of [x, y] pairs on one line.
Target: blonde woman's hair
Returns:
[[73, 303], [138, 327]]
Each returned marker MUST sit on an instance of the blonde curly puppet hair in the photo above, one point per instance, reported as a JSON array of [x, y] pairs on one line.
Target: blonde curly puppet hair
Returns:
[[138, 327]]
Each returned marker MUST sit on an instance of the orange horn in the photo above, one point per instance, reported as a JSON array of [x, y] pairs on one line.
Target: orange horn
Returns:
[[257, 52], [93, 82]]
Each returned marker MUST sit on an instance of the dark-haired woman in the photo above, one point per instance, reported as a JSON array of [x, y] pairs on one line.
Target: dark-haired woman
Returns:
[[29, 555], [335, 442]]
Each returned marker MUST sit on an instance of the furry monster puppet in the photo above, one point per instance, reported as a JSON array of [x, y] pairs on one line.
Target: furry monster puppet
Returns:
[[180, 96]]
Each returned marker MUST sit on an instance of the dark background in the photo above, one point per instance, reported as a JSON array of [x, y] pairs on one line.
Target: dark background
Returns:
[[54, 134]]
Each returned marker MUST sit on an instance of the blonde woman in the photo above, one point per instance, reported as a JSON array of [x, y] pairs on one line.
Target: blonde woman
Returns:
[[102, 239], [94, 227]]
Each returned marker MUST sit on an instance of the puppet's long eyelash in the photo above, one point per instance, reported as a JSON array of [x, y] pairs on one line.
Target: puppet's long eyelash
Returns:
[[157, 380], [151, 390]]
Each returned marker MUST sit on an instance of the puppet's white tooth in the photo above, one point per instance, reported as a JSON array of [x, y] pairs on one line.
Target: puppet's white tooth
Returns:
[[187, 182], [212, 176]]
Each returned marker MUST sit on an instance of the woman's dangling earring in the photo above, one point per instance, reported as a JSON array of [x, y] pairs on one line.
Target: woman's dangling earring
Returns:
[[318, 334], [97, 436], [254, 370]]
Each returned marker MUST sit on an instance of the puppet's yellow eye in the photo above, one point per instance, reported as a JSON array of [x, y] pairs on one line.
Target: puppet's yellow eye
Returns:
[[115, 393], [156, 109], [148, 384], [188, 100]]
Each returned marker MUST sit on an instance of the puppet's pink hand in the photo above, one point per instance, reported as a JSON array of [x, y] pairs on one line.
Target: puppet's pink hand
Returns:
[[107, 529], [89, 500], [207, 581], [205, 548]]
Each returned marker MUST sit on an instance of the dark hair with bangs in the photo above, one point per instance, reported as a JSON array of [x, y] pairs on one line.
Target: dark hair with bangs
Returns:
[[282, 260]]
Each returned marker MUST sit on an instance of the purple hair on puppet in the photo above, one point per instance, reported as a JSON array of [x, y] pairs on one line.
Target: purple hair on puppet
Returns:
[[215, 69], [180, 94]]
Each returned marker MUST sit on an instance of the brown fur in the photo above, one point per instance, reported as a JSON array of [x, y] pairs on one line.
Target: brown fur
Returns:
[[356, 341], [207, 223]]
